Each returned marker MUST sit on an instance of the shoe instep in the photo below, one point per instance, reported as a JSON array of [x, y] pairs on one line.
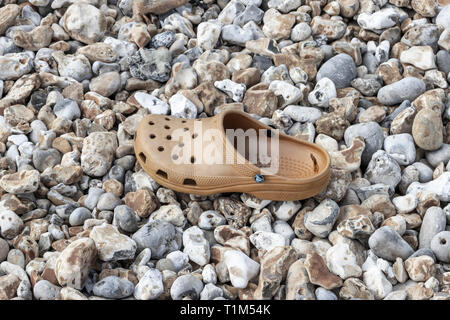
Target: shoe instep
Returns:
[[197, 156]]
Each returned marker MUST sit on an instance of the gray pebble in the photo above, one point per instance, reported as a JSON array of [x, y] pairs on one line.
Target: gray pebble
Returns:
[[422, 35], [186, 286], [383, 169], [441, 154], [113, 287], [179, 259], [79, 215], [236, 35], [127, 162], [43, 159], [117, 172], [125, 218], [24, 290], [340, 69], [108, 201], [320, 221], [425, 172], [151, 64], [261, 62], [160, 236], [386, 243], [401, 147], [210, 292], [99, 67], [251, 13], [165, 264], [45, 290], [67, 109], [193, 53], [443, 61], [433, 222], [407, 88], [440, 244], [324, 294], [163, 39], [209, 274]]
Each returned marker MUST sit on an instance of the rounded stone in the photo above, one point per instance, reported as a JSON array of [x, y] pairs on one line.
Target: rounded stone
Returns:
[[84, 22], [440, 244], [45, 290], [186, 286], [105, 84], [407, 88], [79, 215], [107, 201], [383, 169], [401, 147], [67, 109], [340, 69], [433, 223], [386, 243], [440, 155], [150, 286], [125, 218], [113, 287], [160, 236], [324, 294], [320, 221]]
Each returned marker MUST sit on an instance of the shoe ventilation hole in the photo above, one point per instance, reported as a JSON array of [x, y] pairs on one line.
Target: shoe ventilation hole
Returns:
[[185, 129], [151, 123], [152, 136], [314, 160], [142, 156], [166, 127], [443, 241], [162, 174], [195, 135], [167, 119], [174, 157], [181, 144], [160, 148], [183, 121], [192, 159], [169, 137], [189, 182]]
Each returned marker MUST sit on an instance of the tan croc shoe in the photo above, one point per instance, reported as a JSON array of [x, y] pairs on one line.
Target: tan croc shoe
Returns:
[[230, 152]]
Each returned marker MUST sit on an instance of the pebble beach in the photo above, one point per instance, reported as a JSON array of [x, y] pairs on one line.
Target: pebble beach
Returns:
[[367, 80]]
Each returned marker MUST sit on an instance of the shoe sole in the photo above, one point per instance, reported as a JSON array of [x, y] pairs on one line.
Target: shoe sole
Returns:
[[277, 192]]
